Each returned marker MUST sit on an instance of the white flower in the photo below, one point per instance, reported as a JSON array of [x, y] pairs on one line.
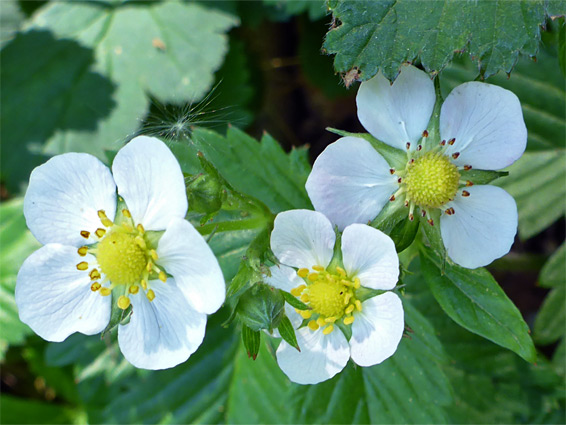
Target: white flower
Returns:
[[481, 127], [303, 241], [149, 255]]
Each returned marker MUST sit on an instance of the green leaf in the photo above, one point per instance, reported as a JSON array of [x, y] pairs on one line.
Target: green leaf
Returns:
[[259, 391], [373, 36], [287, 332], [552, 273], [474, 300], [81, 84], [17, 243], [549, 323], [287, 8], [536, 181], [16, 410], [409, 387], [11, 18], [252, 341], [562, 46]]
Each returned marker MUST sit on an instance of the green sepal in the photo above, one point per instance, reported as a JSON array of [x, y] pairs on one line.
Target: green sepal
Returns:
[[432, 233], [117, 315], [393, 220], [364, 294], [287, 332], [294, 301], [261, 307], [252, 341], [481, 176], [395, 158], [346, 329]]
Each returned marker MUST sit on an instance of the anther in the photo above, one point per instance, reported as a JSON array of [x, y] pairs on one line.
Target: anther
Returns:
[[143, 284], [449, 211], [406, 203], [106, 222], [306, 314], [341, 271], [358, 305], [82, 251], [423, 213], [297, 291], [392, 171], [443, 143], [455, 155], [451, 141], [320, 321], [83, 265], [141, 243], [469, 183], [303, 273], [465, 193], [123, 302], [467, 167], [100, 232], [313, 276], [357, 283], [399, 180], [85, 234], [419, 147], [134, 289], [105, 291], [392, 198], [425, 133], [408, 146], [318, 268], [94, 274], [347, 298], [313, 325], [412, 161], [349, 309], [349, 320], [126, 213], [330, 319], [154, 255], [327, 330], [304, 298], [411, 217], [430, 221], [95, 286], [150, 295], [162, 276], [140, 228]]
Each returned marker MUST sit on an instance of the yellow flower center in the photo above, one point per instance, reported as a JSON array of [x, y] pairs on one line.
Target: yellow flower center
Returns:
[[121, 258], [331, 295], [125, 257], [431, 180]]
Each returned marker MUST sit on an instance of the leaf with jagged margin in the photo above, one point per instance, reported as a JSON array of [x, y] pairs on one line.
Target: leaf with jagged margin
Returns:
[[381, 35], [81, 82]]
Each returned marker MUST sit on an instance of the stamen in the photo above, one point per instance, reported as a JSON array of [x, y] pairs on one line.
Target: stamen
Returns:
[[358, 305], [443, 143], [126, 213], [304, 298], [347, 298], [123, 302], [82, 251], [297, 291], [162, 276], [313, 325], [469, 183], [465, 193], [83, 265], [134, 289], [425, 133], [399, 180], [143, 284], [141, 243], [313, 276], [341, 271], [106, 222], [303, 273], [392, 198], [331, 319], [153, 254], [408, 146], [467, 167], [150, 295], [140, 228], [357, 283], [430, 221], [318, 268], [455, 155], [100, 232], [94, 274], [95, 286], [392, 170], [305, 314], [320, 321], [419, 147], [349, 320], [451, 141], [328, 330], [85, 234], [349, 309], [449, 211], [105, 291]]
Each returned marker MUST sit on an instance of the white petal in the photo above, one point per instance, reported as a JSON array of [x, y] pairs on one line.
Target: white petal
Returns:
[[184, 253], [370, 255], [350, 182], [482, 228], [55, 299], [377, 329], [302, 238], [321, 356], [63, 198], [398, 113], [151, 182], [487, 122], [283, 277], [161, 333]]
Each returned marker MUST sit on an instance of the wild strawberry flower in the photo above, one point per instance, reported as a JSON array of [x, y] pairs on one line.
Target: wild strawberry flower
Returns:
[[481, 126], [336, 290], [121, 236]]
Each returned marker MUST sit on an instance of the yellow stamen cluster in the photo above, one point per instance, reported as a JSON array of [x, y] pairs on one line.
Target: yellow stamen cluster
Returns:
[[330, 295], [125, 257], [431, 180]]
